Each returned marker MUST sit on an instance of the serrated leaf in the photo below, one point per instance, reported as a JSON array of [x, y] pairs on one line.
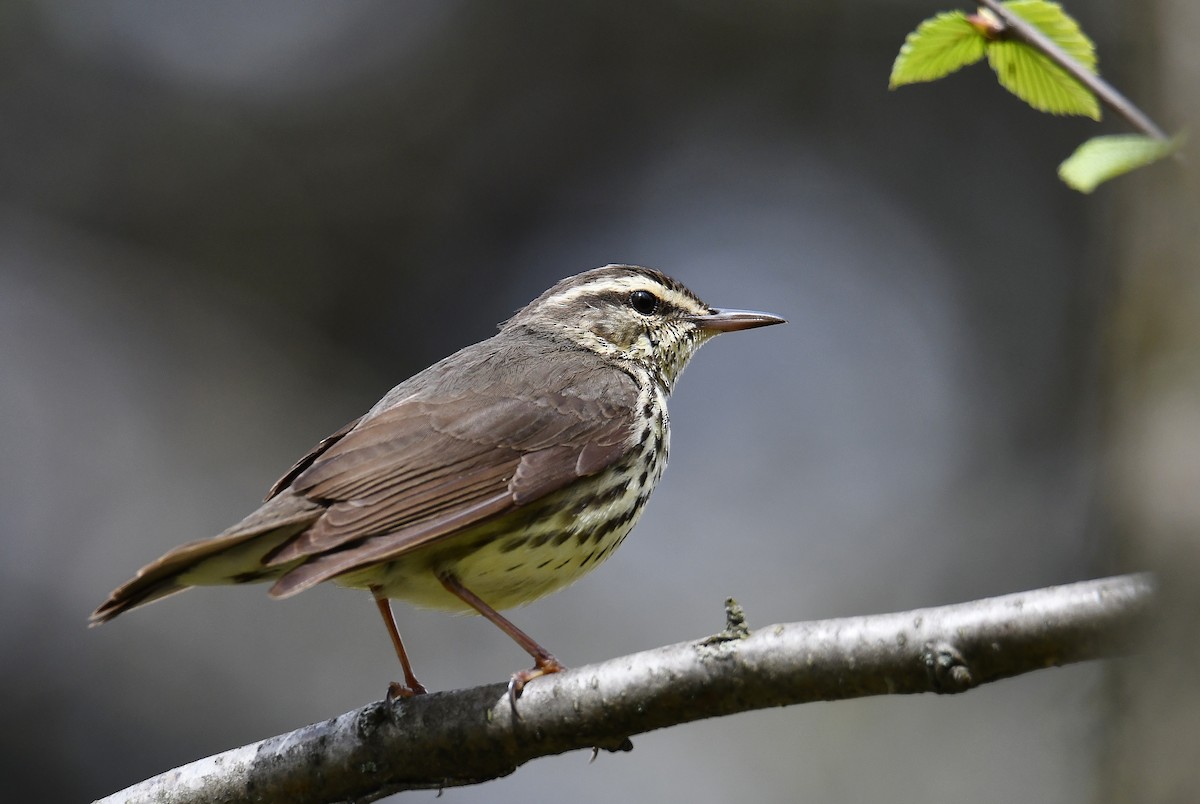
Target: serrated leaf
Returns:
[[1062, 29], [1038, 81], [939, 46], [1031, 76], [1103, 158]]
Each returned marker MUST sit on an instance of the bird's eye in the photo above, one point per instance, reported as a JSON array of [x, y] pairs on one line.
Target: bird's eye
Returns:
[[643, 301]]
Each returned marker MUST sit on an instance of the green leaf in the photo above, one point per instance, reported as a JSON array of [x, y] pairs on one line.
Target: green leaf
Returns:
[[1031, 76], [1062, 29], [1038, 81], [1103, 158], [939, 46]]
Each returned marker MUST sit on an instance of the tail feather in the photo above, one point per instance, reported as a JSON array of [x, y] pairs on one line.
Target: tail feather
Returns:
[[130, 596], [235, 556]]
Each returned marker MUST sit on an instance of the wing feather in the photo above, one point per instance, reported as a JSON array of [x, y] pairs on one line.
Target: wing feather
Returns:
[[432, 464], [307, 461]]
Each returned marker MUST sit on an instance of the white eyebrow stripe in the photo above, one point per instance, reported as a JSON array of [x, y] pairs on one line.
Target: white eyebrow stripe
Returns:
[[627, 284]]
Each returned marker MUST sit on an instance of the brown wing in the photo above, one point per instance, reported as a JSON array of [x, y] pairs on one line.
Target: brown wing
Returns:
[[430, 465], [307, 461]]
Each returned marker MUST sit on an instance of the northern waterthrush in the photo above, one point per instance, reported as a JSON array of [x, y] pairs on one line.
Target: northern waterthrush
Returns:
[[490, 479]]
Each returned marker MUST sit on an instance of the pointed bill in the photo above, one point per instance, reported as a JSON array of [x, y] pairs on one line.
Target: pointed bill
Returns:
[[720, 320]]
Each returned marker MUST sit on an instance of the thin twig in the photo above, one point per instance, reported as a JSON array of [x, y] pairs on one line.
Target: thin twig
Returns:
[[469, 736], [1103, 90]]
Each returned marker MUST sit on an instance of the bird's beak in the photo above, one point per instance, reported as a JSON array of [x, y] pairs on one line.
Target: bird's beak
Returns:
[[733, 320]]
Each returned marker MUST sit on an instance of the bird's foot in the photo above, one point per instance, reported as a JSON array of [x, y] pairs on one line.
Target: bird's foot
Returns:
[[397, 690], [544, 666]]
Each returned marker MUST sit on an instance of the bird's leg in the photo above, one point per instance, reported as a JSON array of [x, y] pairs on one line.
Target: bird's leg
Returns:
[[411, 686], [543, 662]]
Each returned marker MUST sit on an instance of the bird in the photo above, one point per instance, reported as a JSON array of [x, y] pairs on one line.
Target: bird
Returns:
[[496, 476]]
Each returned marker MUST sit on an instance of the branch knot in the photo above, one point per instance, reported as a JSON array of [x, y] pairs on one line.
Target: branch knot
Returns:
[[948, 670], [735, 625]]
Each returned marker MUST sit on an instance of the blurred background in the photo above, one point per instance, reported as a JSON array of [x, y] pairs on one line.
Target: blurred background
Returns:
[[228, 228]]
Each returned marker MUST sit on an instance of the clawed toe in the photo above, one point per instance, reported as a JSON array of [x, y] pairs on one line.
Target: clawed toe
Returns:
[[397, 690], [544, 667]]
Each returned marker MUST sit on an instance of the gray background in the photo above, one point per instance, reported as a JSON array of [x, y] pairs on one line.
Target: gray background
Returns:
[[228, 228]]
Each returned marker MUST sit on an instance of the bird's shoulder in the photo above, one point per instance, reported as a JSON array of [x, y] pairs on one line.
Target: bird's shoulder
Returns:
[[492, 428], [490, 403]]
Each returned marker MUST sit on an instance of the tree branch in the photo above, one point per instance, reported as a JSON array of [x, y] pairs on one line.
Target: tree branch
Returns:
[[470, 736], [1107, 93]]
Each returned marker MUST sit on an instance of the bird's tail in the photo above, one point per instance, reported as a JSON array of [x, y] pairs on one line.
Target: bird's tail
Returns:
[[233, 557]]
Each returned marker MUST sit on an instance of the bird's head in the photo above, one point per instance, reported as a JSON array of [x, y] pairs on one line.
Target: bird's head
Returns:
[[632, 314]]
